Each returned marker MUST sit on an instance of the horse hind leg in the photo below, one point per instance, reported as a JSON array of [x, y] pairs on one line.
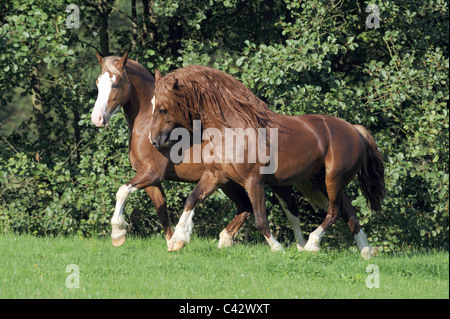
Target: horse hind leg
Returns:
[[228, 235], [238, 195], [349, 216], [317, 199], [156, 194], [287, 203], [334, 189]]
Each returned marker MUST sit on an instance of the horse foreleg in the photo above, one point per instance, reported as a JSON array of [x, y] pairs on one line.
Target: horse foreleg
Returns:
[[257, 198], [145, 178], [118, 223], [206, 186]]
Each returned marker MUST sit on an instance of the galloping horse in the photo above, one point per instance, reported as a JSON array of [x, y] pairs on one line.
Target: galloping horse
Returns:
[[125, 82], [320, 154]]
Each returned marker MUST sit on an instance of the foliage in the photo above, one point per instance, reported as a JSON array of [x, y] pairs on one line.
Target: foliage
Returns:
[[59, 174]]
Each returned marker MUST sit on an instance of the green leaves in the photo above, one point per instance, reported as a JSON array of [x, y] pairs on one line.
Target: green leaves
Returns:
[[299, 56]]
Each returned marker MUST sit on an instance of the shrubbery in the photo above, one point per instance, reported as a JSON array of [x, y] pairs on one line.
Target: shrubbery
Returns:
[[300, 57]]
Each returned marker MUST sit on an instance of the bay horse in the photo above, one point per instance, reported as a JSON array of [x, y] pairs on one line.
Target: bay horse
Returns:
[[124, 82], [318, 153]]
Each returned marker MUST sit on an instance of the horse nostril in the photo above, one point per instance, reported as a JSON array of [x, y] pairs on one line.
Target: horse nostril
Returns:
[[155, 144]]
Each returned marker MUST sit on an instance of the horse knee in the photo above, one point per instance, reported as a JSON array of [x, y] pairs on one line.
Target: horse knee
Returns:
[[124, 191]]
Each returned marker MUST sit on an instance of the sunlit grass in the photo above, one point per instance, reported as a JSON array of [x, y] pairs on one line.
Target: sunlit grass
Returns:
[[36, 268]]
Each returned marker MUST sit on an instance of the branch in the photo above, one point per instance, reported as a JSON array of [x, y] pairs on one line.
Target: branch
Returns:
[[68, 157], [124, 13], [92, 46], [6, 140]]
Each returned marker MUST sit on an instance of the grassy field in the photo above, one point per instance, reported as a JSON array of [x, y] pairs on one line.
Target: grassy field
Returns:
[[36, 268]]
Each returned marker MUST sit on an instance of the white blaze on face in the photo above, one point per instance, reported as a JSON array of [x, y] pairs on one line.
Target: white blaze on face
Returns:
[[105, 83], [154, 104], [153, 112]]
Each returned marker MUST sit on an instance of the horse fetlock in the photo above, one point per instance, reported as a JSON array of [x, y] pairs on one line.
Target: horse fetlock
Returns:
[[273, 243], [118, 231], [225, 239], [275, 248], [175, 244], [313, 243]]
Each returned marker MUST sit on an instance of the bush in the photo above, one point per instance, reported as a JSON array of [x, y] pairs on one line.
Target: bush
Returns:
[[300, 57]]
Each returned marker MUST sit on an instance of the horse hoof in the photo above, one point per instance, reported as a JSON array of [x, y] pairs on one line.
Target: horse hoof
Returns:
[[225, 239], [277, 248], [311, 247], [118, 242], [177, 245], [368, 252]]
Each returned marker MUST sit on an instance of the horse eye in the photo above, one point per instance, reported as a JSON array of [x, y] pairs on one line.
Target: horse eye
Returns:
[[163, 111], [115, 85]]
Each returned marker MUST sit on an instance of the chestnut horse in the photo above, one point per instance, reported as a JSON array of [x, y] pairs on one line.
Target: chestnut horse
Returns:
[[320, 154], [125, 82]]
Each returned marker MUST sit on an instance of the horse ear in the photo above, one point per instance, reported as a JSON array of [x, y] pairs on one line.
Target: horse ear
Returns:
[[176, 84], [99, 58], [122, 61], [158, 75]]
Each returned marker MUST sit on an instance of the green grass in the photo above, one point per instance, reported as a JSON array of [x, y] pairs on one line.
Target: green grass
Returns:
[[33, 267]]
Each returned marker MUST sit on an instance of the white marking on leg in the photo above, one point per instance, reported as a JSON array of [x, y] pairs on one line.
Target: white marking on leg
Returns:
[[365, 249], [361, 240], [273, 243], [225, 239], [314, 239], [118, 222], [295, 223], [183, 230]]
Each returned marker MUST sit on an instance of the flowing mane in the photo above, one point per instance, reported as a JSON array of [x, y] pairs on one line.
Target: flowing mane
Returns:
[[199, 92]]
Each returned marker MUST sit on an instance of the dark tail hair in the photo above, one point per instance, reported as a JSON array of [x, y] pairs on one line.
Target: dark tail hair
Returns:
[[371, 174]]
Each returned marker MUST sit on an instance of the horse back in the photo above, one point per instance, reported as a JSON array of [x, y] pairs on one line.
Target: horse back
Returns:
[[309, 143]]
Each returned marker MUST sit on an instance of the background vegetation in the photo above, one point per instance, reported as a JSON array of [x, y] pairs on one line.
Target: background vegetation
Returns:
[[59, 174]]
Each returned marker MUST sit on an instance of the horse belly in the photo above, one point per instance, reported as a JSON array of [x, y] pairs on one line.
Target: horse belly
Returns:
[[182, 172], [290, 171], [300, 156]]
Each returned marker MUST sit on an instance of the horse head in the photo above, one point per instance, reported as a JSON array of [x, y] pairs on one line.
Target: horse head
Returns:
[[114, 88], [163, 120]]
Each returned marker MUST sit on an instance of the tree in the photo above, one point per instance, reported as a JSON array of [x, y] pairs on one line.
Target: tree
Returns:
[[59, 173]]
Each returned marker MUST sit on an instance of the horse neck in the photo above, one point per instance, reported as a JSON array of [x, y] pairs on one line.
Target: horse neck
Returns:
[[141, 96]]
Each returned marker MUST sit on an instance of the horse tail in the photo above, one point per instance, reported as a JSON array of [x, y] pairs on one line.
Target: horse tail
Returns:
[[371, 174]]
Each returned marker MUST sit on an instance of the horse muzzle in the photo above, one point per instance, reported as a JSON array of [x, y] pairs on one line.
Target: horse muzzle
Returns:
[[161, 142]]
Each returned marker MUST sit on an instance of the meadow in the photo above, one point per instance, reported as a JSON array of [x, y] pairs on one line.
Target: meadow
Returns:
[[45, 267]]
